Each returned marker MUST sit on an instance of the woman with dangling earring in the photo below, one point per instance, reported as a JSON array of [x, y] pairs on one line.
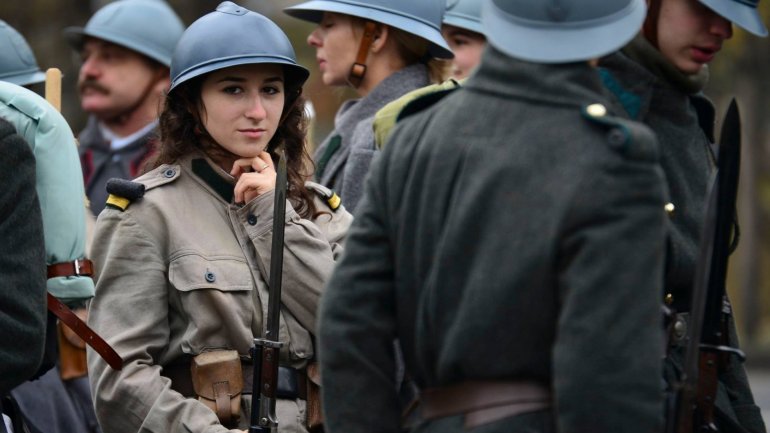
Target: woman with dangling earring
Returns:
[[382, 49]]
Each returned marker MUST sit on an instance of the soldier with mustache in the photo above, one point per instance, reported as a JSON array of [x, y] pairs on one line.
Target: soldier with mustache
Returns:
[[125, 50]]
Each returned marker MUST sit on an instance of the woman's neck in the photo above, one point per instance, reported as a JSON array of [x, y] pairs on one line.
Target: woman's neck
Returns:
[[379, 66]]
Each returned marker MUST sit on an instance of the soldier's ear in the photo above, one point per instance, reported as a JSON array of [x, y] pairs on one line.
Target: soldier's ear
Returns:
[[381, 34]]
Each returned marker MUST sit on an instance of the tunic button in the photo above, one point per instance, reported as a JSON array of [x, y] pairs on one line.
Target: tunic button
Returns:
[[596, 110], [169, 173], [680, 328], [210, 277], [669, 299], [670, 208], [617, 138], [251, 219]]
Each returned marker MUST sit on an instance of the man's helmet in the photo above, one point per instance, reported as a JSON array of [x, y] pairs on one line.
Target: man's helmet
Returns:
[[149, 27], [742, 13], [17, 62], [561, 31]]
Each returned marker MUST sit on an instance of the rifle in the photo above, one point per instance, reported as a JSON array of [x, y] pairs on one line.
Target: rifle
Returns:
[[266, 350], [706, 354]]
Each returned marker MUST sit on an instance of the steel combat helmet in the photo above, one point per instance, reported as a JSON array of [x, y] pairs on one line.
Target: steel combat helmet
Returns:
[[149, 27], [233, 35], [742, 13], [561, 31], [17, 62], [419, 17], [465, 14]]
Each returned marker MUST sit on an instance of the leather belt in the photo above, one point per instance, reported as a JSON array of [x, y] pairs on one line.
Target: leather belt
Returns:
[[292, 383], [80, 268], [88, 335], [75, 268], [484, 402]]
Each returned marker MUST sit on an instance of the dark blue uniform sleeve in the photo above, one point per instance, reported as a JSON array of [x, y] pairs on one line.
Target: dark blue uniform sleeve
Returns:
[[22, 260]]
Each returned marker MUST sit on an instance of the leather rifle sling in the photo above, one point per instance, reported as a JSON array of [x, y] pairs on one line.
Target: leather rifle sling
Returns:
[[83, 331]]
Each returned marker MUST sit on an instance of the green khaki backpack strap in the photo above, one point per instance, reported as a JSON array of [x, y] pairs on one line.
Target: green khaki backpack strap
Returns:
[[630, 138], [416, 100], [327, 195]]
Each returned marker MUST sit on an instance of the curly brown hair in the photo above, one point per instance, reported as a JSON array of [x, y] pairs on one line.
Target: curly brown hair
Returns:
[[182, 132]]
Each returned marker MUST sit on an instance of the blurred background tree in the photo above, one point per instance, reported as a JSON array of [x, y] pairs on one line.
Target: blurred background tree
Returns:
[[741, 70]]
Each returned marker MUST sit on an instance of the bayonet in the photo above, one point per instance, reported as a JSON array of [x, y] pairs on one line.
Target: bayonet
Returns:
[[706, 349], [266, 350]]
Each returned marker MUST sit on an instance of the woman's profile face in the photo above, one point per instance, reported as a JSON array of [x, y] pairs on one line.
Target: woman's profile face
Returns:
[[690, 34], [336, 46], [242, 107], [467, 47]]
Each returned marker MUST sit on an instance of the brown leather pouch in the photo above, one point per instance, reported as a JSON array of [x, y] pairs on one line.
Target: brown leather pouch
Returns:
[[72, 353], [217, 379], [315, 421]]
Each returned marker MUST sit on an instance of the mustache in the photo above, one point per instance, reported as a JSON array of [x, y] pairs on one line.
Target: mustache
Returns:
[[91, 84]]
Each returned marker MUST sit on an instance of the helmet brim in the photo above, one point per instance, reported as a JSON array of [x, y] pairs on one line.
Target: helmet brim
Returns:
[[742, 15], [25, 78], [296, 75], [463, 22], [76, 37], [535, 42], [313, 11]]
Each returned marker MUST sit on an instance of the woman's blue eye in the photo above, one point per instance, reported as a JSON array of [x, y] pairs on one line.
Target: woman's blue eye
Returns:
[[232, 90], [271, 90]]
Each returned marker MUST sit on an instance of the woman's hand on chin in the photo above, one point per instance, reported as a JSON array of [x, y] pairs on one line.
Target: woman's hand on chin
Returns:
[[255, 176]]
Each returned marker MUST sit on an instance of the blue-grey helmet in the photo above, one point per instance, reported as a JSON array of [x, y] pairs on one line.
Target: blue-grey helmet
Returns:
[[149, 27], [465, 14], [419, 17], [742, 13], [17, 62], [233, 35], [561, 31]]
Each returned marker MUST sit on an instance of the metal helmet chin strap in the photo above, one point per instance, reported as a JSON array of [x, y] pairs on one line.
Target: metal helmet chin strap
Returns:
[[650, 27], [358, 70]]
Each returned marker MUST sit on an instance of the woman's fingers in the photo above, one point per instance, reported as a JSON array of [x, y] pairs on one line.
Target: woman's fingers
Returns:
[[241, 166], [258, 163], [265, 159], [252, 185], [255, 176]]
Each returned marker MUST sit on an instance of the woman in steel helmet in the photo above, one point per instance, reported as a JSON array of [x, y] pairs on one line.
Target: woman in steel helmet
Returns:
[[462, 31], [183, 250], [383, 49]]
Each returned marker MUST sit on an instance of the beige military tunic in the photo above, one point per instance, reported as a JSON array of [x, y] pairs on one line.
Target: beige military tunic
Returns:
[[183, 270]]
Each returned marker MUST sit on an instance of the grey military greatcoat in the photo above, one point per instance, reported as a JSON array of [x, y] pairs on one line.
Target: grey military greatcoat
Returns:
[[653, 92], [505, 236]]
